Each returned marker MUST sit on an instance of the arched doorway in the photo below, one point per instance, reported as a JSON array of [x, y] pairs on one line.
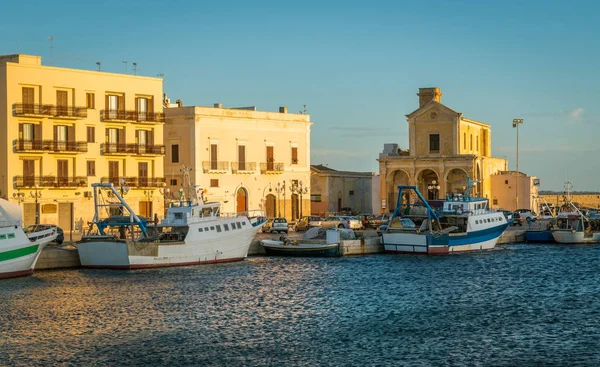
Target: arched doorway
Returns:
[[241, 200], [428, 183], [395, 179], [270, 206], [455, 180], [295, 207]]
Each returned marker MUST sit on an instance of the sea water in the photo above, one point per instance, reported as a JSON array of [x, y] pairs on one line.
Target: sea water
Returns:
[[520, 306]]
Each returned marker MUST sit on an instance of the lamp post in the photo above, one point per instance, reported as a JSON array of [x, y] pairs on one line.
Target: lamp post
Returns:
[[300, 190], [280, 190], [433, 189], [516, 123], [36, 194], [165, 191], [20, 196]]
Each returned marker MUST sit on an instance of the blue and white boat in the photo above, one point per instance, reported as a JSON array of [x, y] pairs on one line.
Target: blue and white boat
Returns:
[[464, 223]]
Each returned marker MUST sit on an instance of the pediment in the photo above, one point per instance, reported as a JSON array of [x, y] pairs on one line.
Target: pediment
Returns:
[[433, 111]]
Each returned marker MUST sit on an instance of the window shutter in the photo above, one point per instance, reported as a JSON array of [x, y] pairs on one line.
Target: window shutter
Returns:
[[137, 105], [121, 103], [20, 131], [151, 137], [106, 104], [106, 131], [121, 136], [71, 133], [242, 153], [55, 134], [37, 132], [137, 136], [151, 105]]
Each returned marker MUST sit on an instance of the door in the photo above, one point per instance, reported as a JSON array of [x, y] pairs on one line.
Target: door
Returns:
[[29, 213], [146, 209], [241, 157], [28, 100], [270, 206], [270, 159], [113, 172], [213, 157], [62, 103], [62, 169], [242, 200], [65, 216], [28, 172], [142, 109], [143, 174]]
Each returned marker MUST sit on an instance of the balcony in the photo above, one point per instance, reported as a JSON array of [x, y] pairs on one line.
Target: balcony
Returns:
[[215, 167], [133, 116], [243, 167], [22, 145], [133, 149], [51, 182], [136, 182], [48, 110], [271, 168]]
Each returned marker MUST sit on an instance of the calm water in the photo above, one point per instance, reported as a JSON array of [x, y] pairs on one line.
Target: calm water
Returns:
[[524, 305]]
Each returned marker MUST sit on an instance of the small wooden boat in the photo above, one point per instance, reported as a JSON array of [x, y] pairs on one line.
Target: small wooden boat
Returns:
[[317, 242]]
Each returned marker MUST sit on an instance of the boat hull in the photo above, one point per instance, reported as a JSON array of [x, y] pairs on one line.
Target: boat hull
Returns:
[[20, 260], [539, 236], [430, 244], [575, 237], [106, 253], [278, 248]]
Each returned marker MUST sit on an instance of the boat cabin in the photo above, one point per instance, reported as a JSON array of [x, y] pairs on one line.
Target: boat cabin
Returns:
[[459, 203]]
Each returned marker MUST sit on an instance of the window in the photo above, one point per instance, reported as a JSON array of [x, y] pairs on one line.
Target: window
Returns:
[[213, 157], [142, 109], [175, 153], [212, 228], [471, 141], [315, 198], [62, 169], [351, 193], [91, 134], [61, 133], [27, 132], [214, 182], [218, 228], [465, 141], [206, 229], [477, 142], [506, 182], [239, 226], [294, 155], [173, 182], [199, 229], [434, 143], [91, 168], [241, 157], [495, 202], [226, 227], [62, 102], [90, 101]]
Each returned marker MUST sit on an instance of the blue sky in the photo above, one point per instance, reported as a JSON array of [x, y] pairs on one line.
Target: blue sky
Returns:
[[357, 65]]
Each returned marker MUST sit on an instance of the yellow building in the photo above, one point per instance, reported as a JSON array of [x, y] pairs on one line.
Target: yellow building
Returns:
[[64, 129], [507, 185], [444, 148], [243, 158]]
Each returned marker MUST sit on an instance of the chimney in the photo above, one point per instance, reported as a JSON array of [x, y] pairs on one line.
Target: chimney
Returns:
[[179, 103], [283, 109], [426, 95], [218, 105]]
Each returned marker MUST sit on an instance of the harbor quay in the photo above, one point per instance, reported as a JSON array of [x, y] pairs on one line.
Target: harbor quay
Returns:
[[367, 242]]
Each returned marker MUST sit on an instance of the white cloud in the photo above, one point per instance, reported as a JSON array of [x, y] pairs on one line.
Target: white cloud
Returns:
[[576, 113]]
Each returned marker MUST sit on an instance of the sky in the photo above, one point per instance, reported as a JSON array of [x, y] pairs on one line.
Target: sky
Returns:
[[356, 65]]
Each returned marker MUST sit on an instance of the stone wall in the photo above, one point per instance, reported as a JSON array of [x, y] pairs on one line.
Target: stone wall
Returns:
[[584, 200]]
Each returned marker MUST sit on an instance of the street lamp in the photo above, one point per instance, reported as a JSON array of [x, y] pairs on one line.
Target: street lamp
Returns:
[[298, 189], [36, 194], [164, 191], [280, 190], [516, 123], [20, 196], [433, 189]]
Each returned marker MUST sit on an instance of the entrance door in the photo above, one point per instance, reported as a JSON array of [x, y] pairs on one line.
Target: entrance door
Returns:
[[295, 207], [143, 174], [146, 209], [28, 213], [242, 200], [64, 216], [270, 206]]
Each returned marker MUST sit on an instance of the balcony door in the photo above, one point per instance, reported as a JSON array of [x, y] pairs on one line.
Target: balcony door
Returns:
[[143, 174], [241, 157], [213, 157], [62, 103], [270, 159], [28, 172], [62, 169], [28, 100], [142, 109], [113, 172]]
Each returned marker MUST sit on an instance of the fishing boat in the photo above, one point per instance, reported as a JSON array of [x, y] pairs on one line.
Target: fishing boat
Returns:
[[193, 232], [317, 242], [572, 225], [464, 223], [19, 251]]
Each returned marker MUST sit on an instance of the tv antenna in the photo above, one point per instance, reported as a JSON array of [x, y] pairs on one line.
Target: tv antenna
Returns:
[[135, 68], [51, 39], [98, 63], [125, 62]]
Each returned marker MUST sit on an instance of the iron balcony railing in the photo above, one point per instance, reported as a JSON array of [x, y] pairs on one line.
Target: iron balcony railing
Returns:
[[23, 145], [271, 167], [49, 110], [134, 149], [215, 166], [243, 167], [133, 116], [135, 182], [51, 181]]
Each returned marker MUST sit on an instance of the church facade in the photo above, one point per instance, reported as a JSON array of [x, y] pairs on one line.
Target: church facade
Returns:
[[444, 149]]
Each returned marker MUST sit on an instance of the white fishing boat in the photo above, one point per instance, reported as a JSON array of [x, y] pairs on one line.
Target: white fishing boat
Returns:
[[465, 223], [573, 226], [19, 251], [193, 232]]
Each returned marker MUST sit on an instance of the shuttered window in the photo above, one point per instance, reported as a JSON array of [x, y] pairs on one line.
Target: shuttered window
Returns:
[[213, 157], [113, 169], [242, 157], [214, 182], [90, 100], [175, 153], [91, 134], [91, 168], [294, 155]]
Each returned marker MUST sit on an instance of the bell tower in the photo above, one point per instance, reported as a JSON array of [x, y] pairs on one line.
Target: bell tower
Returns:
[[428, 94]]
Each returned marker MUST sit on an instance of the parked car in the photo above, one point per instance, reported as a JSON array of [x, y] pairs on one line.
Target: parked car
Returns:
[[40, 227], [275, 225], [346, 211], [380, 220], [526, 214], [517, 219], [364, 219], [340, 221], [508, 215], [307, 222]]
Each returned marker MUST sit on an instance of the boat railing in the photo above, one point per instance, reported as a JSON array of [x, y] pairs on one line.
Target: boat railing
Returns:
[[247, 213], [470, 212], [10, 223]]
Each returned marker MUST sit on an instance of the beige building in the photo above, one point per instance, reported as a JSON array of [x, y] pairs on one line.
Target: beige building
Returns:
[[243, 158], [332, 190], [64, 129], [444, 149], [506, 185]]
